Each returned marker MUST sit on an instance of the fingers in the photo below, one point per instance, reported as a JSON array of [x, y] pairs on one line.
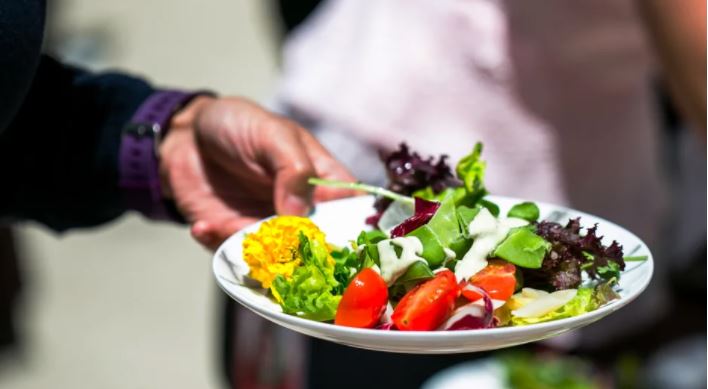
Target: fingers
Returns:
[[327, 167], [214, 221], [201, 232], [212, 235], [264, 155], [286, 155], [325, 164]]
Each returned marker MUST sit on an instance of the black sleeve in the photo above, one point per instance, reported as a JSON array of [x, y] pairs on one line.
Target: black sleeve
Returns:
[[293, 13], [59, 156]]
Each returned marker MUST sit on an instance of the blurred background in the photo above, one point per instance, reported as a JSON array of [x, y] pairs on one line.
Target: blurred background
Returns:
[[133, 305]]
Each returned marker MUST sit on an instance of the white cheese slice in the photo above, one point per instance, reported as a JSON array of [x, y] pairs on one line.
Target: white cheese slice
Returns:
[[545, 303]]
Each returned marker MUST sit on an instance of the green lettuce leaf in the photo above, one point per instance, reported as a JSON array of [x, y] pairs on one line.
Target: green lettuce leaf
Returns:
[[605, 292], [582, 302], [492, 207], [465, 215], [470, 170], [444, 223], [527, 210], [442, 231], [311, 292], [433, 249], [524, 248], [369, 239], [416, 273], [346, 265], [609, 271]]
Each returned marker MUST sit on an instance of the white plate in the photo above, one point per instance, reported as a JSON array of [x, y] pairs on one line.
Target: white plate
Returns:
[[342, 220]]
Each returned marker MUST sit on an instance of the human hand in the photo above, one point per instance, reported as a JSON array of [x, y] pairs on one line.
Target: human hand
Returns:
[[228, 162]]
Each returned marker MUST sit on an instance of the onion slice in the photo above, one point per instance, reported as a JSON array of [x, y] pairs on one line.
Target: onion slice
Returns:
[[472, 316], [386, 322]]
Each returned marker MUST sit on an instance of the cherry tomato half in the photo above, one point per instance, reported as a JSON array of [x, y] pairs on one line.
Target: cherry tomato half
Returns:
[[427, 305], [363, 302], [497, 279]]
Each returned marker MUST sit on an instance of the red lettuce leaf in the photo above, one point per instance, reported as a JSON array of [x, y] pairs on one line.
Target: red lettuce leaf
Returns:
[[408, 172], [424, 211], [373, 220], [562, 266]]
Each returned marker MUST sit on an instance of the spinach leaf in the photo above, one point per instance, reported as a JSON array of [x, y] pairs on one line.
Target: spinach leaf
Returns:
[[418, 272], [524, 248], [526, 210]]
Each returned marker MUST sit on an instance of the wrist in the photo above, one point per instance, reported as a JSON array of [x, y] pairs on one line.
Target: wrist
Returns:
[[139, 163], [180, 132]]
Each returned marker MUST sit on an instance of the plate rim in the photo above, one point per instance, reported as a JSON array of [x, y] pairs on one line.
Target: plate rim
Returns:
[[560, 324]]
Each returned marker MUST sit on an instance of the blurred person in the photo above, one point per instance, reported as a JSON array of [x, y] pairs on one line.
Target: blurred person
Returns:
[[561, 94], [79, 149]]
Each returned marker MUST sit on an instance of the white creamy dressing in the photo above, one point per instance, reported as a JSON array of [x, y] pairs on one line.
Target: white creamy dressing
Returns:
[[393, 266], [449, 256], [487, 232]]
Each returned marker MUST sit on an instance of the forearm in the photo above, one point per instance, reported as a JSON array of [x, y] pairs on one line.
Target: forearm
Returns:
[[58, 158], [678, 31]]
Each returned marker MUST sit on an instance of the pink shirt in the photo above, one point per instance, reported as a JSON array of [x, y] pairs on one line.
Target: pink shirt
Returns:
[[558, 91]]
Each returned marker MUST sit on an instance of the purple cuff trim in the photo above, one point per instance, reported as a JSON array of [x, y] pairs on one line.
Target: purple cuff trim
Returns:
[[138, 165]]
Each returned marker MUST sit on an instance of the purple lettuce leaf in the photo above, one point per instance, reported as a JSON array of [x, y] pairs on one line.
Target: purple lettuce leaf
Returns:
[[570, 254], [408, 172], [424, 211]]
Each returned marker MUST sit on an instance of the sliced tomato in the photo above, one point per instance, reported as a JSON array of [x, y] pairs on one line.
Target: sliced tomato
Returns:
[[497, 279], [363, 302], [427, 305]]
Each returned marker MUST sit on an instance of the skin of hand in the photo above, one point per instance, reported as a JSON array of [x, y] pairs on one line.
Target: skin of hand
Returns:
[[227, 162]]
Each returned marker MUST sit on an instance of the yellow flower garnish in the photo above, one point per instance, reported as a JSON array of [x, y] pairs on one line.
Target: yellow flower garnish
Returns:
[[272, 250]]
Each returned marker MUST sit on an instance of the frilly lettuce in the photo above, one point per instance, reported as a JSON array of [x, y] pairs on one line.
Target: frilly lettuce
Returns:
[[348, 263], [311, 292], [470, 170]]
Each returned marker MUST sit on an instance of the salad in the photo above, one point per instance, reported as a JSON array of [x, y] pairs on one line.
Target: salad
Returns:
[[439, 256]]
